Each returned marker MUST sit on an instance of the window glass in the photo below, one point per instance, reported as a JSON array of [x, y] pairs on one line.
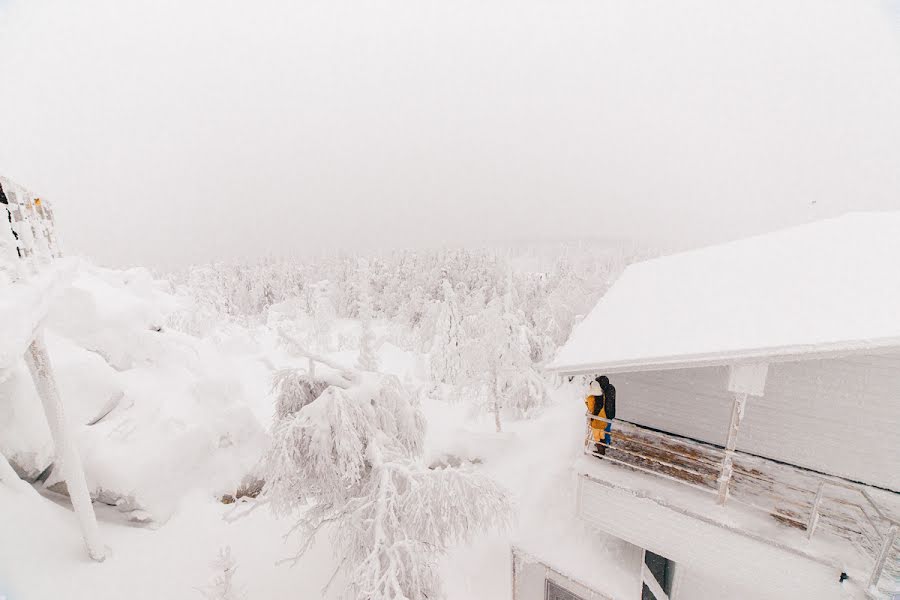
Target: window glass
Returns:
[[556, 592], [662, 570]]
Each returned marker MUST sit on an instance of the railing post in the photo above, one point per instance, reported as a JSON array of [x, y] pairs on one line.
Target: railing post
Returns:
[[886, 545], [587, 435], [737, 415], [814, 515]]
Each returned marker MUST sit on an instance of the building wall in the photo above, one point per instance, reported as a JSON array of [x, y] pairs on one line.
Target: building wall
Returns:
[[531, 578], [712, 563], [837, 416]]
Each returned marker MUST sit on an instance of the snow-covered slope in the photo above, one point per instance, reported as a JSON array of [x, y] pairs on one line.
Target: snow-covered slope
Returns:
[[167, 422]]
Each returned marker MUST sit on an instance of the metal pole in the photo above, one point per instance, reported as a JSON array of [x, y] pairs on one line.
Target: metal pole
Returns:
[[38, 361], [737, 414], [886, 546]]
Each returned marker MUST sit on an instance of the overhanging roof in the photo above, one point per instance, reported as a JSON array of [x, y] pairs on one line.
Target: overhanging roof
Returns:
[[819, 290]]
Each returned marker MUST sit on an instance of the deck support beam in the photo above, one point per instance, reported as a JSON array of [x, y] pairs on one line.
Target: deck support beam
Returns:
[[68, 460]]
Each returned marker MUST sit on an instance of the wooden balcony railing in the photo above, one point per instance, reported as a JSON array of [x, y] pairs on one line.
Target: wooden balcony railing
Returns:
[[794, 496]]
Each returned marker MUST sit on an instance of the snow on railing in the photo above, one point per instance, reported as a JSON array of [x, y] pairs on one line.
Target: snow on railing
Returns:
[[799, 498], [27, 232]]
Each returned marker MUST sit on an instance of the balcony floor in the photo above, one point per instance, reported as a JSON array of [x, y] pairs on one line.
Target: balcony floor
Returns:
[[825, 547]]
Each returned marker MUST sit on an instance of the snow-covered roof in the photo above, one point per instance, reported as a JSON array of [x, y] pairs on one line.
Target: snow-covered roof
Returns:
[[824, 288]]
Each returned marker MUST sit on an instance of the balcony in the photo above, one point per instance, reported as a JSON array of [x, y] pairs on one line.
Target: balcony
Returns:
[[846, 526]]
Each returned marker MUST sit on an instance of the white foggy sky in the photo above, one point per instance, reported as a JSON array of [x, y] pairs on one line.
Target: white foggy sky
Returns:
[[175, 132]]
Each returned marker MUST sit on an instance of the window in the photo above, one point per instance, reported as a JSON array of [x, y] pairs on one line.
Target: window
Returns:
[[553, 591], [657, 573]]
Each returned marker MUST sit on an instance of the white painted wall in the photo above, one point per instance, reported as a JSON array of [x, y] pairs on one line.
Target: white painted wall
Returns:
[[531, 581], [531, 576], [713, 563], [838, 416]]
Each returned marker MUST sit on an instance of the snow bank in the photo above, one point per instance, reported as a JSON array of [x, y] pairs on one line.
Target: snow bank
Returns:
[[534, 461], [24, 303], [155, 412]]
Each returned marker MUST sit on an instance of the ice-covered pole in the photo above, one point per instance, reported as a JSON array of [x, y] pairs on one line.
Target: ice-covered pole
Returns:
[[69, 461]]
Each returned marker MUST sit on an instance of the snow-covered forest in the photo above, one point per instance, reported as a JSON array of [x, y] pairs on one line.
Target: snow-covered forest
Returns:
[[366, 409], [331, 299]]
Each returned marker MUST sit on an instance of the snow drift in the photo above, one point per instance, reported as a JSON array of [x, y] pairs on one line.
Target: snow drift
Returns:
[[155, 412]]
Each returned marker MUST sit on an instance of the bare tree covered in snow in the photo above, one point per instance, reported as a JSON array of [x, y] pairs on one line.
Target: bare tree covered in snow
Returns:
[[368, 360], [221, 586], [446, 359], [350, 462], [323, 316]]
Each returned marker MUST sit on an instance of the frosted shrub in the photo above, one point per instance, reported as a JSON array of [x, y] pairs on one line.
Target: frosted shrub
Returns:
[[352, 460], [220, 586]]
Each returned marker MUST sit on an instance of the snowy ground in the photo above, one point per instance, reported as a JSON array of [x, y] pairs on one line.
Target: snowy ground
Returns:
[[182, 420]]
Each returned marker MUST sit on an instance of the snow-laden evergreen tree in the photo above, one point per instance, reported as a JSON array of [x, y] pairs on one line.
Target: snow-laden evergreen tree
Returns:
[[517, 384], [501, 376], [351, 462], [221, 586], [368, 359], [446, 351]]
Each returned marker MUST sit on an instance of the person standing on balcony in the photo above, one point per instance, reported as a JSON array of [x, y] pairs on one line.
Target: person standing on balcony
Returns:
[[596, 406], [609, 396]]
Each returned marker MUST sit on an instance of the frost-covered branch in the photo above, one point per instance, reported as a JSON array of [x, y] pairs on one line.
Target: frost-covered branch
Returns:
[[351, 460], [221, 586]]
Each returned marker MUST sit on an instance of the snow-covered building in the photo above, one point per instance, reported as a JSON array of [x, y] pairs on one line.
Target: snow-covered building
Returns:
[[28, 232], [756, 447]]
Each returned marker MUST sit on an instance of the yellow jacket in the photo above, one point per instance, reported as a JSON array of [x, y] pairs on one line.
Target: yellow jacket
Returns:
[[597, 426]]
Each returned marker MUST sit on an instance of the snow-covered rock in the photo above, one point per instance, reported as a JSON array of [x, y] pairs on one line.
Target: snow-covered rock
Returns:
[[155, 412]]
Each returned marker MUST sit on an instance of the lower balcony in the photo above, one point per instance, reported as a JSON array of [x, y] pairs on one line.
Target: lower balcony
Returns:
[[677, 496]]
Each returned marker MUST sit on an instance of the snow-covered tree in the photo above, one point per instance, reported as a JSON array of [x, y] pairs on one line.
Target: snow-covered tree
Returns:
[[501, 376], [368, 359], [518, 386], [294, 389], [446, 357], [351, 461], [323, 316], [221, 586]]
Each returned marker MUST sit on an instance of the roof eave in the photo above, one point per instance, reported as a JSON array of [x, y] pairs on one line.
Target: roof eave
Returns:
[[775, 354]]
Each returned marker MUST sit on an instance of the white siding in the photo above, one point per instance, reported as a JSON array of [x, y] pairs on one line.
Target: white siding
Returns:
[[838, 416], [713, 563]]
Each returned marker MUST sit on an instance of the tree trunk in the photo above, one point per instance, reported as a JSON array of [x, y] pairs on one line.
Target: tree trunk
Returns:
[[497, 417]]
